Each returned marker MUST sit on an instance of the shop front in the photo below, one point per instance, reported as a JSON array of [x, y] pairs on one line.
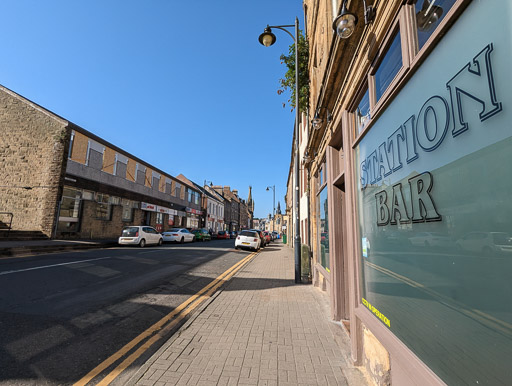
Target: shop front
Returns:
[[432, 174]]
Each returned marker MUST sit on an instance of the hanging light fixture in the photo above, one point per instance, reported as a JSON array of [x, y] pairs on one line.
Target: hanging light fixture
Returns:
[[428, 16], [345, 23], [317, 121], [267, 38]]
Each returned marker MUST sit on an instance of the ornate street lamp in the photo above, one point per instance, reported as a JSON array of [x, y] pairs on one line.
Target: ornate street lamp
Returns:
[[267, 38]]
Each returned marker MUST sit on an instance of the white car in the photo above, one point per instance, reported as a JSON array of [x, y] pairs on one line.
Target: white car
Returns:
[[140, 235], [248, 239], [486, 242], [178, 235], [431, 239]]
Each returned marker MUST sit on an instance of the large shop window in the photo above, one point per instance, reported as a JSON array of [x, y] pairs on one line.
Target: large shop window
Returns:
[[434, 210]]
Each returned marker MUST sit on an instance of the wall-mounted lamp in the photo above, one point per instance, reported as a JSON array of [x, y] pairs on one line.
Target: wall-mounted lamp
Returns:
[[428, 16], [306, 158], [345, 23], [317, 121]]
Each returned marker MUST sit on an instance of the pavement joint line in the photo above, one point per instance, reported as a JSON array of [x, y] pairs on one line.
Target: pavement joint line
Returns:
[[159, 325]]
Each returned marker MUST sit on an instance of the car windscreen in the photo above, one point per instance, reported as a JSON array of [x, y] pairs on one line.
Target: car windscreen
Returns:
[[130, 231], [248, 233]]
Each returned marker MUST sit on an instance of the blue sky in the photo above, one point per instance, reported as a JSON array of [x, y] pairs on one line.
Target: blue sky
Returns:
[[183, 85]]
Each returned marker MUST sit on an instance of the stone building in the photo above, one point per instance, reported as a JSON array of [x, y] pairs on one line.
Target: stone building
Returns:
[[408, 167], [62, 181]]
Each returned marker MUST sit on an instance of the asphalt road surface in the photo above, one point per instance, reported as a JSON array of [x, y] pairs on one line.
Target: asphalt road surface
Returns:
[[63, 314]]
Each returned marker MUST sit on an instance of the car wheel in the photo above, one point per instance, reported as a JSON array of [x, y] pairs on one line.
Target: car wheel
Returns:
[[182, 240], [237, 247], [160, 242], [142, 243], [194, 239]]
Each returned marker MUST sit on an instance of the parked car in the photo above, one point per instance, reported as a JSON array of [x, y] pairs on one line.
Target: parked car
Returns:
[[233, 234], [201, 234], [431, 239], [178, 235], [262, 237], [223, 235], [140, 235], [248, 239], [486, 242], [275, 235], [267, 236]]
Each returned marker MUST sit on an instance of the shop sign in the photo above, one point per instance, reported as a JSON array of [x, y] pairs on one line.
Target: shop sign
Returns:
[[148, 207], [161, 209], [421, 135]]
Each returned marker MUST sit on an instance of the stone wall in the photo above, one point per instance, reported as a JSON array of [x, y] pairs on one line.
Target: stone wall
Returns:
[[33, 143]]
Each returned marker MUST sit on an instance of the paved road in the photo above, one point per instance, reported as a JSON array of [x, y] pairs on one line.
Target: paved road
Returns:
[[63, 314]]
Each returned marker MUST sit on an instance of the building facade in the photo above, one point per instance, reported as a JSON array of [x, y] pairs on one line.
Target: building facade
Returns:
[[410, 222], [83, 186]]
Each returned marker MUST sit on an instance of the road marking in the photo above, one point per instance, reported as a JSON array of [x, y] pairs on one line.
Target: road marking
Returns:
[[159, 328], [52, 265]]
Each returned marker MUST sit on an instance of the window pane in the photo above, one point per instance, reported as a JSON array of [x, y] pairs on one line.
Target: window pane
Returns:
[[429, 14], [324, 229], [363, 112], [389, 66]]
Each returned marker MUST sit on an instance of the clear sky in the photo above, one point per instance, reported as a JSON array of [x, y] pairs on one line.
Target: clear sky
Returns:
[[183, 85]]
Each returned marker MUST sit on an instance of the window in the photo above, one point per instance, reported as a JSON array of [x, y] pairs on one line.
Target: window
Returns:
[[389, 66], [128, 205], [103, 207], [323, 230], [70, 205], [429, 14], [362, 112], [177, 190]]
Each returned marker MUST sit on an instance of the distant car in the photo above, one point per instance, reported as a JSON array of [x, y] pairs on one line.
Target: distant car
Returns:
[[233, 235], [248, 239], [268, 238], [201, 234], [275, 235], [262, 237], [140, 235], [431, 239], [178, 235], [223, 235], [486, 242]]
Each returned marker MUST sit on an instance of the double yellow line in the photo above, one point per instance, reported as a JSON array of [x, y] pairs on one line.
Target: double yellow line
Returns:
[[159, 329]]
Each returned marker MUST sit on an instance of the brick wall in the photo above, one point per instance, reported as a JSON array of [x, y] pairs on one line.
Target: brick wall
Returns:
[[33, 143], [94, 228]]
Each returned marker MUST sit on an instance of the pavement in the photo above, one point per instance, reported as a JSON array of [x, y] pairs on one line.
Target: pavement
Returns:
[[260, 329], [15, 248]]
